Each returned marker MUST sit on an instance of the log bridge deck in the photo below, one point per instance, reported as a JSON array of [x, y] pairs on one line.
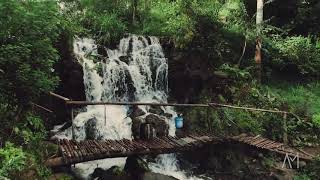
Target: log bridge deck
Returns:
[[72, 152]]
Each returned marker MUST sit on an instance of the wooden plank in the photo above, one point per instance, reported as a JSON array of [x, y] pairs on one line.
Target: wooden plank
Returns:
[[80, 150], [69, 155], [76, 151], [110, 147], [116, 146], [106, 147]]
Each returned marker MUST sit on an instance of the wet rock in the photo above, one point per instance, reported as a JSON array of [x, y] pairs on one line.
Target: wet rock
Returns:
[[136, 111], [90, 128], [159, 124], [115, 170], [156, 110], [60, 128], [302, 164], [114, 173], [147, 131], [156, 176], [136, 165], [125, 59], [136, 126], [167, 115]]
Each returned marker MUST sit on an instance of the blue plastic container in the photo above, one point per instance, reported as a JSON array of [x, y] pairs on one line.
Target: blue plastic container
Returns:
[[179, 122]]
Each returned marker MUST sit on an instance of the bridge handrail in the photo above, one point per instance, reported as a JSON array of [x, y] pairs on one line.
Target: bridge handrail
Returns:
[[212, 105], [59, 96]]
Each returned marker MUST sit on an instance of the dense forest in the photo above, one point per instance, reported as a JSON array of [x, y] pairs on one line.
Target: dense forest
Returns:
[[210, 45]]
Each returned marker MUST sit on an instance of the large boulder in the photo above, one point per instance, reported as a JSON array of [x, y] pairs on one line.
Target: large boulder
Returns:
[[90, 128], [156, 110], [159, 124], [136, 165], [114, 173], [136, 127], [136, 112], [159, 111], [125, 59], [156, 176]]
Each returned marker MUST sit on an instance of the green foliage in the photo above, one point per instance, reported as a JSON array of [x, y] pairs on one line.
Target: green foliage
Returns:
[[15, 162], [174, 19], [105, 27], [268, 162], [166, 18], [32, 131], [302, 100], [12, 160], [298, 51], [27, 35], [316, 120], [311, 171], [234, 72], [301, 177]]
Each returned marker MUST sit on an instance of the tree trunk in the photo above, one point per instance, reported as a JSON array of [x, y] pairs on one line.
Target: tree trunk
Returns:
[[259, 17], [258, 54], [134, 11]]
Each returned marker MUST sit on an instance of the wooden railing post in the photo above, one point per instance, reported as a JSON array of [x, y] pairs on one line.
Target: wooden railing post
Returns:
[[285, 129], [208, 119], [72, 126], [105, 115]]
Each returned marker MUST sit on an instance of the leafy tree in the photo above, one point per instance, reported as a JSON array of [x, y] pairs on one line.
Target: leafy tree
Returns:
[[28, 32]]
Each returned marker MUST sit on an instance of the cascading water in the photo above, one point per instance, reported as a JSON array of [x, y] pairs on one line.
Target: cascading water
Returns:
[[136, 71]]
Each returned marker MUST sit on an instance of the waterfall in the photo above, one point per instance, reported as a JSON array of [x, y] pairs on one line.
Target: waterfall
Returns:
[[136, 71]]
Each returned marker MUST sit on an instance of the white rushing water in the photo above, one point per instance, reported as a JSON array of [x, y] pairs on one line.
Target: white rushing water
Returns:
[[136, 71]]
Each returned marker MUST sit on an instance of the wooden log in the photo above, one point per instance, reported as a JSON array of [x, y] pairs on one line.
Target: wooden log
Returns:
[[41, 107], [83, 103], [285, 129], [79, 149], [59, 96], [54, 162], [115, 146], [246, 108]]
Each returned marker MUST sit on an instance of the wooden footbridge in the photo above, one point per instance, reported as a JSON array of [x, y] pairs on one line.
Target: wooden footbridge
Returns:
[[72, 152]]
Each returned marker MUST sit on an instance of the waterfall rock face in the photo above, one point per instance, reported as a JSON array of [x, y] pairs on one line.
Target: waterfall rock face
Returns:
[[136, 71]]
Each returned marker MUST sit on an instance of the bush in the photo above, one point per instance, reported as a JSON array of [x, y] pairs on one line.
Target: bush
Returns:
[[303, 100], [298, 51], [316, 120], [106, 27], [166, 18], [12, 160]]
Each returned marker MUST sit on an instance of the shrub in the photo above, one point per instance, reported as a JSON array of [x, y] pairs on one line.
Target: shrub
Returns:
[[166, 18], [12, 160], [316, 120], [298, 51]]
